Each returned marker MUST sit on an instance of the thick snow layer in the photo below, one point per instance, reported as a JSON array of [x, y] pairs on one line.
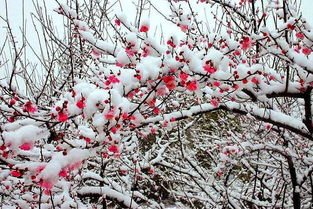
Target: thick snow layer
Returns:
[[25, 134], [107, 191]]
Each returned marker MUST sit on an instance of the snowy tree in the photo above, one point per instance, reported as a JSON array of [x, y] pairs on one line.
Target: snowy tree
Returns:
[[146, 104]]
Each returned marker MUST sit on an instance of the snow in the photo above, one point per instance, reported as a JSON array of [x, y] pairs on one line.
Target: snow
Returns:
[[86, 132], [149, 68], [96, 96], [52, 169], [107, 191], [25, 134]]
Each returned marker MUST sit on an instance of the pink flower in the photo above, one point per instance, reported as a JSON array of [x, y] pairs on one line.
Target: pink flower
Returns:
[[12, 101], [113, 130], [151, 102], [109, 115], [26, 146], [168, 79], [214, 102], [216, 83], [132, 117], [62, 117], [183, 76], [80, 104], [272, 77], [209, 69], [156, 110], [169, 42], [125, 116], [113, 79], [63, 173], [290, 27], [47, 192], [16, 173], [146, 51], [138, 76], [192, 86], [144, 28], [245, 43], [184, 28], [29, 107], [105, 155], [117, 22], [171, 86], [236, 53], [123, 171], [113, 148], [300, 35], [306, 51], [255, 80], [47, 186], [129, 52], [119, 64], [131, 95], [236, 86], [151, 171], [11, 119], [169, 82]]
